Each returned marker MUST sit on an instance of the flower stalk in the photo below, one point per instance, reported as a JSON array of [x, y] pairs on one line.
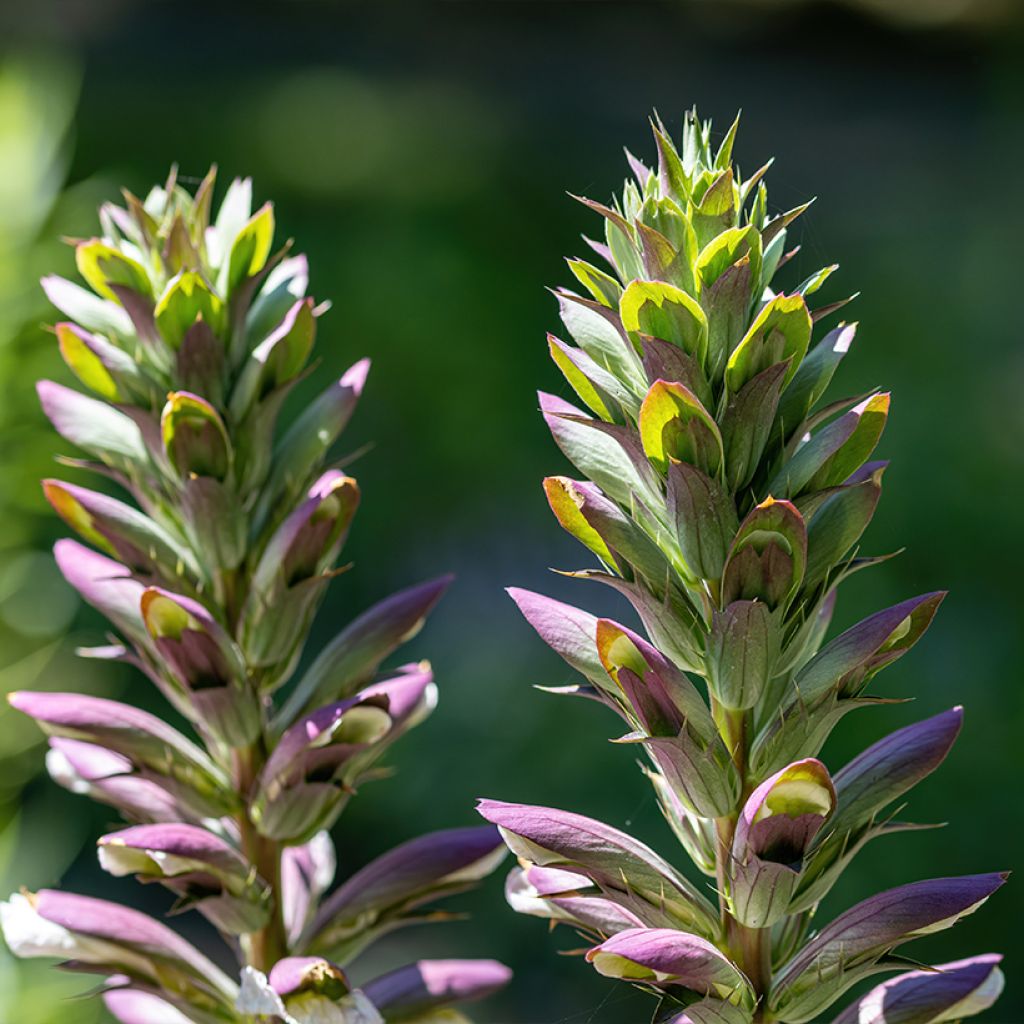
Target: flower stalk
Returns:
[[210, 551], [725, 498]]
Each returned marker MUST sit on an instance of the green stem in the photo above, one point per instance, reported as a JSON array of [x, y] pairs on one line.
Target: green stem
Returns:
[[265, 947], [750, 947]]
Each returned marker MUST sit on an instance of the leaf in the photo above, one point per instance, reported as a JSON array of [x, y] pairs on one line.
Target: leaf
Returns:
[[836, 451], [704, 518], [103, 265], [354, 655], [92, 425], [186, 299], [674, 425], [747, 423], [86, 309], [781, 331], [667, 312], [250, 249]]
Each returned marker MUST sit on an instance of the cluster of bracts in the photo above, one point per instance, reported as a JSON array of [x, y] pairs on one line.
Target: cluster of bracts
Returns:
[[721, 498]]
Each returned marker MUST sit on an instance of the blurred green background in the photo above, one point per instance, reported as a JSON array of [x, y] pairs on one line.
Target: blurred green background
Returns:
[[420, 155]]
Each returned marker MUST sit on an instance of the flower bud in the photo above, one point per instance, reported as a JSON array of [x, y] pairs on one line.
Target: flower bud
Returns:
[[199, 655], [194, 437], [204, 871], [675, 426], [427, 986], [663, 956], [290, 577], [299, 790], [768, 555], [773, 835]]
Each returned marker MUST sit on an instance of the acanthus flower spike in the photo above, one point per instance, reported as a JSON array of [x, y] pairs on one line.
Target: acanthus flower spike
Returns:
[[726, 500], [209, 547]]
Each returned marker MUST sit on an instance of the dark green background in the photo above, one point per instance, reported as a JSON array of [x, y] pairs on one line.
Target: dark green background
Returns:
[[420, 155]]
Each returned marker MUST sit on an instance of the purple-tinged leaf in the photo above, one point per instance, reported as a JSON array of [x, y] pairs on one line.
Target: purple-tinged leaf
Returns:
[[703, 516], [768, 556], [307, 872], [828, 457], [570, 632], [205, 871], [128, 1006], [202, 658], [103, 583], [948, 992], [149, 743], [116, 939], [355, 654], [855, 944], [307, 441], [110, 778], [892, 766], [93, 426], [555, 895], [747, 423], [428, 985], [618, 864], [85, 308], [120, 530], [674, 699], [663, 956], [381, 893], [812, 377], [850, 660], [297, 974], [598, 456]]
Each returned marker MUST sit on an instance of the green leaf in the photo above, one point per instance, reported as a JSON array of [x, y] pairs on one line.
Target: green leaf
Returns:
[[664, 311], [102, 266], [812, 377], [250, 249], [80, 351], [194, 436], [599, 454], [716, 212], [565, 502], [747, 423], [836, 451], [592, 397], [86, 309], [726, 250], [186, 298], [674, 425], [597, 331], [838, 525], [781, 331], [603, 287], [704, 517], [742, 648]]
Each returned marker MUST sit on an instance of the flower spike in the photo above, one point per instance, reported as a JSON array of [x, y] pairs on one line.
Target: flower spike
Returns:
[[210, 564], [726, 500]]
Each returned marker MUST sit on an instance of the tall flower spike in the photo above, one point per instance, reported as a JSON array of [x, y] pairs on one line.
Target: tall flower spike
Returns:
[[726, 504], [211, 563]]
